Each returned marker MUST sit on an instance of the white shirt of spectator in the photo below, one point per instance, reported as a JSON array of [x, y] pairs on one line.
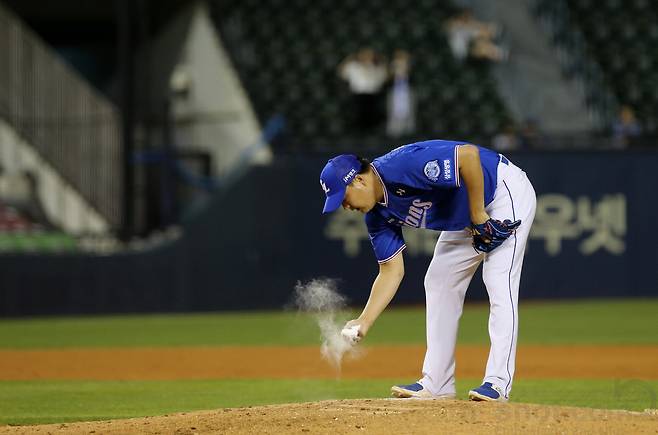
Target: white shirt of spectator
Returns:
[[364, 79], [460, 40]]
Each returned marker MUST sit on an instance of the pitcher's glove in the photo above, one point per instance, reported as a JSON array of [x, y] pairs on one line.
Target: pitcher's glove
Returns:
[[491, 234]]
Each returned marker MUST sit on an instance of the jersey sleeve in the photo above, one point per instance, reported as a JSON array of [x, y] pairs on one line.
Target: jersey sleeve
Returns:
[[387, 240], [428, 165]]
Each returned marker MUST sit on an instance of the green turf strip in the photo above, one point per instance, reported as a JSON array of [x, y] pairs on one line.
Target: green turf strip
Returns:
[[32, 402], [575, 322]]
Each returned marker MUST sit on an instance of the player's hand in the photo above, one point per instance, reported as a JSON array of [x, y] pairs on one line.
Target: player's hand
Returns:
[[361, 326], [492, 233]]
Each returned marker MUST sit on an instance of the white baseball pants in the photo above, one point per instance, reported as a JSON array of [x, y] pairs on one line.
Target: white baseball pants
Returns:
[[450, 271]]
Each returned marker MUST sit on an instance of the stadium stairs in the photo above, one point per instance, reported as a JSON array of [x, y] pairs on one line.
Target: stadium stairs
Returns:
[[619, 38], [559, 102]]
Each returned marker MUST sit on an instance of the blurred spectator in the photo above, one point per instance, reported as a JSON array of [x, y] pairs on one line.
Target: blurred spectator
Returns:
[[484, 48], [366, 75], [625, 128], [18, 192], [401, 115], [469, 36], [506, 139], [530, 135]]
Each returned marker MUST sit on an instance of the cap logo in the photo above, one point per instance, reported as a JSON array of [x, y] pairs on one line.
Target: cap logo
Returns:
[[324, 187], [349, 175]]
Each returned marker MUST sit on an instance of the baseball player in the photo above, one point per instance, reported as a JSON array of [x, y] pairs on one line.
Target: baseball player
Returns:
[[483, 205]]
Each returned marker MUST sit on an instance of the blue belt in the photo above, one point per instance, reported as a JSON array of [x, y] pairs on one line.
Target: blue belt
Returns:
[[503, 159]]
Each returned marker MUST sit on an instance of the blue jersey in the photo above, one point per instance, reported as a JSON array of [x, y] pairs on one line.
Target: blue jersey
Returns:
[[422, 189]]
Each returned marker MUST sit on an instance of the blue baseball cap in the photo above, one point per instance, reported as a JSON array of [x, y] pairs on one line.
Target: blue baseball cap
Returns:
[[337, 174]]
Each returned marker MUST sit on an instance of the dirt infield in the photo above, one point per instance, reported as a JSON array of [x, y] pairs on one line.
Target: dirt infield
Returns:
[[636, 362], [373, 416], [344, 416]]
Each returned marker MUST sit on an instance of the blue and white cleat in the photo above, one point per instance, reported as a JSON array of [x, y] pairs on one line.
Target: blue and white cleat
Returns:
[[487, 392], [415, 391]]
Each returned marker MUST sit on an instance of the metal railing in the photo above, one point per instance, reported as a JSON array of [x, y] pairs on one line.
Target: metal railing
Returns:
[[68, 122]]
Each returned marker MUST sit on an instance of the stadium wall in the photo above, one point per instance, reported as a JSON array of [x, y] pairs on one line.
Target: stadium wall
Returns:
[[591, 238]]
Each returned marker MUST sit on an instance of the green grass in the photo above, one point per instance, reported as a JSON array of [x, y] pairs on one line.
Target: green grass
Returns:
[[574, 322], [35, 402]]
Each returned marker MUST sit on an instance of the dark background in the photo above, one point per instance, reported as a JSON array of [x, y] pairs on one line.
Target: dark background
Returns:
[[257, 240]]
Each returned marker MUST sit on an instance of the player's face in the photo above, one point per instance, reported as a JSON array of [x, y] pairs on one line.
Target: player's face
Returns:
[[359, 196]]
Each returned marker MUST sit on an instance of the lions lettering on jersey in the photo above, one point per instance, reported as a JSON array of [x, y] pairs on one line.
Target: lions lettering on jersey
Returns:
[[417, 214], [422, 190]]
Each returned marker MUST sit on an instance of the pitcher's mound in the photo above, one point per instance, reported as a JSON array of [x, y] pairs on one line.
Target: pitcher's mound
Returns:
[[386, 416]]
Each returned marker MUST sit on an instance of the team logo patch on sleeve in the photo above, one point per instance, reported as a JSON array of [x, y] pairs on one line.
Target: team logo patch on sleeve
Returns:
[[432, 170]]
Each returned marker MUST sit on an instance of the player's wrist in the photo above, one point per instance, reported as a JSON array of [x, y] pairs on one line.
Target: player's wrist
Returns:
[[479, 217], [365, 323]]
